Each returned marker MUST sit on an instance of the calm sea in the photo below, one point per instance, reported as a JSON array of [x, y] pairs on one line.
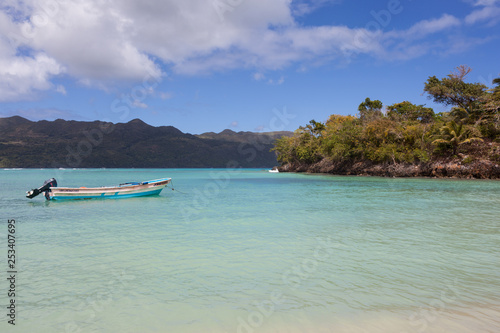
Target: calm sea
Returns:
[[252, 251]]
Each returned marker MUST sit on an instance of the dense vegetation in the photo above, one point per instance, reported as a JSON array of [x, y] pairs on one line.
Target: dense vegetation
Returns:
[[404, 133]]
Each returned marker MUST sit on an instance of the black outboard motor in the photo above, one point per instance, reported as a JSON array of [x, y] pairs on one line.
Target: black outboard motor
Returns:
[[44, 188]]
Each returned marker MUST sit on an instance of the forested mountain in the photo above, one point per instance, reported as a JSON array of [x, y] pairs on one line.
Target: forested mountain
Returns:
[[72, 144]]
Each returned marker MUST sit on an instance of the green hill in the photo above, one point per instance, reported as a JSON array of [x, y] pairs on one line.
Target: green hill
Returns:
[[71, 144]]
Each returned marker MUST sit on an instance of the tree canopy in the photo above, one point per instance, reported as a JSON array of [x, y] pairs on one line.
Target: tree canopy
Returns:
[[454, 91], [403, 132]]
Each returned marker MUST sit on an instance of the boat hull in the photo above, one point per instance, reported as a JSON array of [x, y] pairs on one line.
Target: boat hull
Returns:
[[152, 187]]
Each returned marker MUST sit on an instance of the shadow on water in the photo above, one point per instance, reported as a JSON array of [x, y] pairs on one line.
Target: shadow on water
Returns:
[[34, 204]]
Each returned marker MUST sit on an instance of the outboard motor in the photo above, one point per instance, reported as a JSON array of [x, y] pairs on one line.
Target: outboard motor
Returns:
[[44, 188]]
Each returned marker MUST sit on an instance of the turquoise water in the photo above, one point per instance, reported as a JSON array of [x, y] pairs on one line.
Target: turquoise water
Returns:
[[252, 251]]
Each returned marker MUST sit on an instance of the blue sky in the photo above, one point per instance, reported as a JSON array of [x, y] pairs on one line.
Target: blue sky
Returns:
[[247, 65]]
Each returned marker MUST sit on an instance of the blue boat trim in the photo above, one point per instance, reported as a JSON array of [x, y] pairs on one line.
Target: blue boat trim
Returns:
[[114, 196]]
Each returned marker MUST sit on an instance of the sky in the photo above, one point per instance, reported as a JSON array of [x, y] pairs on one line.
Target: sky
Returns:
[[246, 65]]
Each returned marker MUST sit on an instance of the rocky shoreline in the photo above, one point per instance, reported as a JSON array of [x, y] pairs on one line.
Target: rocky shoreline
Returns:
[[478, 169]]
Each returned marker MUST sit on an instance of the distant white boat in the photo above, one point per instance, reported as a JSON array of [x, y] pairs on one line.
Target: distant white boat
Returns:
[[274, 170]]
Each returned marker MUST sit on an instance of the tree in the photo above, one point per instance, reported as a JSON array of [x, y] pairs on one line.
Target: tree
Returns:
[[316, 128], [490, 126], [496, 90], [342, 139], [452, 90], [285, 150], [335, 120], [408, 111], [303, 147], [494, 97], [369, 110], [455, 134]]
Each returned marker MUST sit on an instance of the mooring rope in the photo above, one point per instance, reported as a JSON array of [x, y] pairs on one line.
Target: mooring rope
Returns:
[[172, 183]]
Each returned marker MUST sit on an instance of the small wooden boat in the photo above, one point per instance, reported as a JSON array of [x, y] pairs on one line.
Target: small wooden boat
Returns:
[[125, 190]]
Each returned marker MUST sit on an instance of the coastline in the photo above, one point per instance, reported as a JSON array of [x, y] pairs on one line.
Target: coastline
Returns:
[[455, 168]]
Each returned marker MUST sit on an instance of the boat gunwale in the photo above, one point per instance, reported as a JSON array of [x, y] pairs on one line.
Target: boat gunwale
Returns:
[[146, 184], [145, 188]]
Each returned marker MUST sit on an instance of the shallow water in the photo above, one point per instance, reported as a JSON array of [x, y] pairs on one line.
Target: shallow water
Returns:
[[252, 251]]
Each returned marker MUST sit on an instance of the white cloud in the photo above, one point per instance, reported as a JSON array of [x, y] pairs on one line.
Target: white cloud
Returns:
[[166, 95], [416, 41], [60, 89], [490, 13], [303, 7], [278, 82], [484, 2], [139, 104], [22, 76], [100, 43], [426, 27], [262, 77], [92, 39], [258, 76]]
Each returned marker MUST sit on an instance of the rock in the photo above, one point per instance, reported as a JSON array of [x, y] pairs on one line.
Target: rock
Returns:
[[478, 169]]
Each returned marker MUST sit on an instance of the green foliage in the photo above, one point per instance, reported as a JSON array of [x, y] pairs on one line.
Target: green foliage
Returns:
[[407, 111], [456, 134], [494, 154], [369, 110], [468, 160], [496, 90], [348, 138], [343, 138], [387, 140], [315, 128], [453, 91], [284, 148], [489, 125], [408, 133], [303, 147]]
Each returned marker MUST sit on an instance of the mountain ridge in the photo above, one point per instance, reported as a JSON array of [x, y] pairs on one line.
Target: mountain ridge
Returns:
[[70, 143]]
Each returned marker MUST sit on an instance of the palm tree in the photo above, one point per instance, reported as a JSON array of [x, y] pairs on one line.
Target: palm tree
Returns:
[[455, 134], [496, 90]]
